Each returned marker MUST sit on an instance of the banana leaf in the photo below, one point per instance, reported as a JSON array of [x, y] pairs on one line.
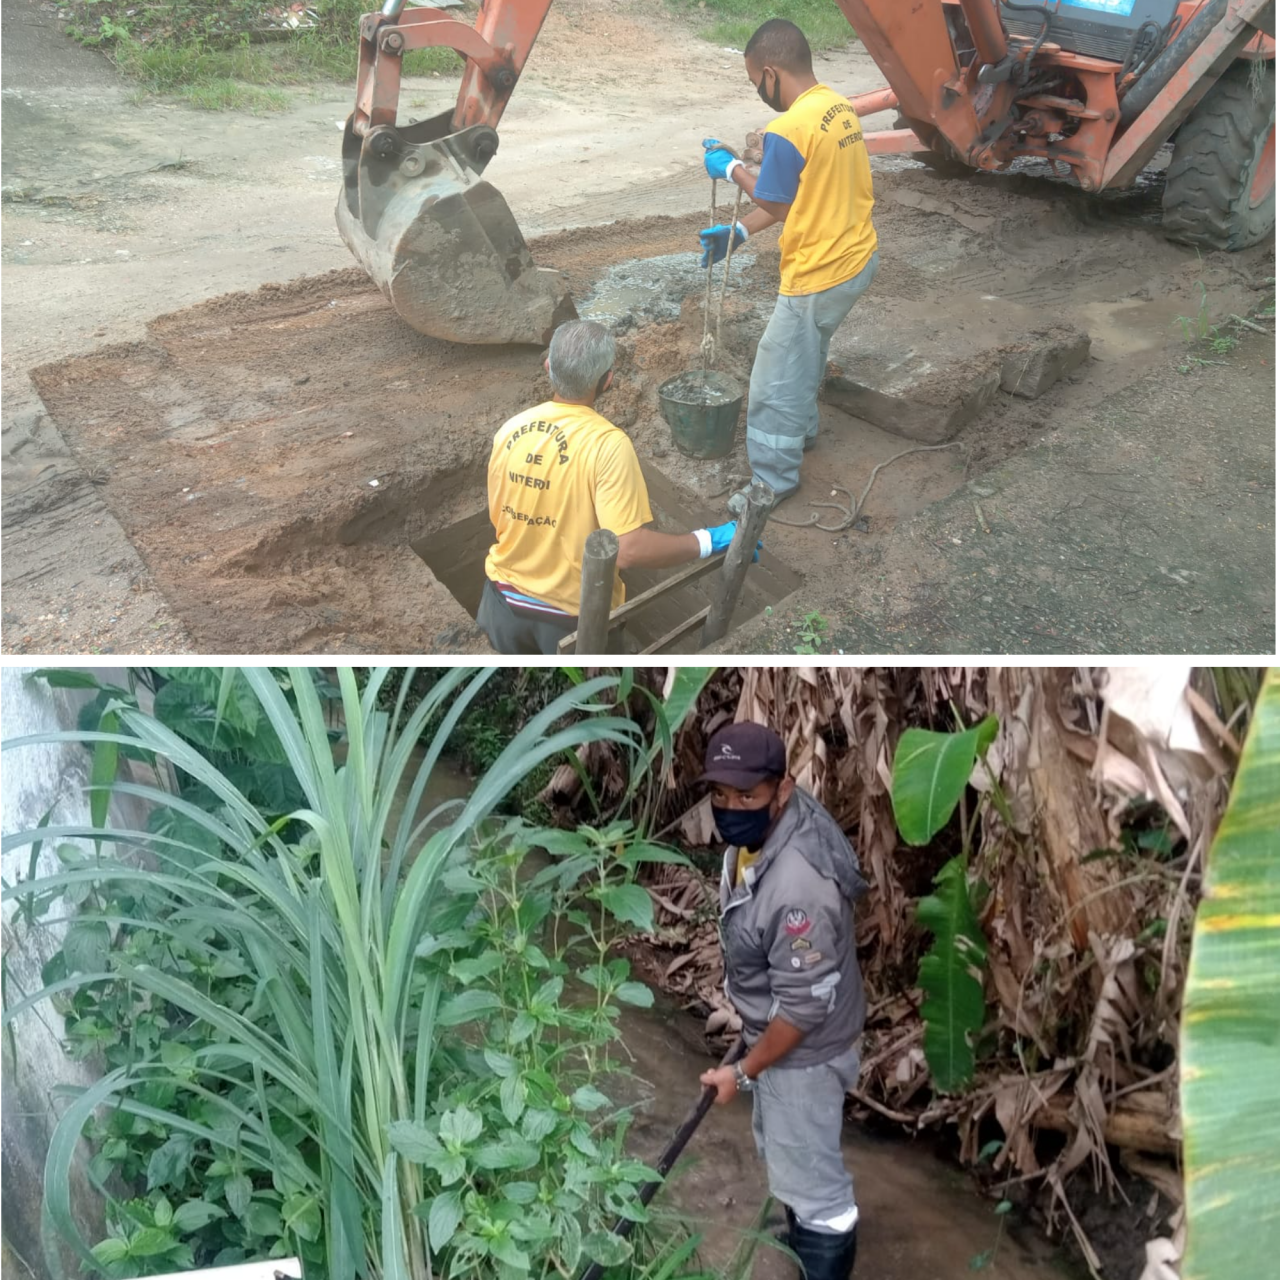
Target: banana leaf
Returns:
[[1231, 1026]]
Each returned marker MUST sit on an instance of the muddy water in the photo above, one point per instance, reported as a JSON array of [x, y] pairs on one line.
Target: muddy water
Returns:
[[921, 1219]]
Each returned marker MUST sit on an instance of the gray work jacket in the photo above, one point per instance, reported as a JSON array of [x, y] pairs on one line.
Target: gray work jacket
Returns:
[[787, 933]]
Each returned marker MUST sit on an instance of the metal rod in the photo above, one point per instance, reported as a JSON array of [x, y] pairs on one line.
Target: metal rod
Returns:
[[688, 1127], [599, 565], [392, 9], [741, 551]]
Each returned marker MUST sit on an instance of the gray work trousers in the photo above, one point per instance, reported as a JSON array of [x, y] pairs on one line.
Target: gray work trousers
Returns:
[[790, 363], [796, 1119]]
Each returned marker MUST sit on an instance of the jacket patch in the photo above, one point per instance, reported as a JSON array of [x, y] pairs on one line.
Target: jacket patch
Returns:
[[813, 957], [797, 922], [801, 944], [795, 962]]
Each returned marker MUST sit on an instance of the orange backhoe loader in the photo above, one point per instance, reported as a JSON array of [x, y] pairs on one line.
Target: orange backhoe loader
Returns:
[[1095, 87]]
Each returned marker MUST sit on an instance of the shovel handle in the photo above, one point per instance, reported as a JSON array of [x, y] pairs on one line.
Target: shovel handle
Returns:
[[622, 1228]]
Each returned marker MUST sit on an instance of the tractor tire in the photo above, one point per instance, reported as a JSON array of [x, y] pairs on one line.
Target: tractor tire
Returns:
[[1220, 191], [941, 156]]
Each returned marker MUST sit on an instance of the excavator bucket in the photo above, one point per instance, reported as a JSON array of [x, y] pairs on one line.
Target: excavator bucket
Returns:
[[441, 242]]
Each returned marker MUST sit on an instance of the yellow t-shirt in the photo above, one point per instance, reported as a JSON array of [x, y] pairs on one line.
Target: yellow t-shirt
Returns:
[[557, 473], [815, 160], [745, 859]]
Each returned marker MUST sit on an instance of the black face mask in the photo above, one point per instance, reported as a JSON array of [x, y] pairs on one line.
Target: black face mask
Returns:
[[744, 827], [774, 99]]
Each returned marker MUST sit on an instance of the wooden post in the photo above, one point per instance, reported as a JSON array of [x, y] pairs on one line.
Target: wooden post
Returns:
[[599, 564], [741, 550]]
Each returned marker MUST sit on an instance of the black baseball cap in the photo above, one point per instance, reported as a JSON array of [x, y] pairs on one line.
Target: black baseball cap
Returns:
[[740, 755]]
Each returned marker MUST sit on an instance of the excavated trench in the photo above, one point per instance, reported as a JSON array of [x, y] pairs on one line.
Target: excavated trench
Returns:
[[304, 474]]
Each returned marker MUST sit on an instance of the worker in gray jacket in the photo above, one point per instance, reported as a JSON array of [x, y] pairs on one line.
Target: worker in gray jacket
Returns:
[[787, 891]]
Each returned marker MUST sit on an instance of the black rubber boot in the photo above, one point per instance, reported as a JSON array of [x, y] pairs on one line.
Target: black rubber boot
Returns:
[[823, 1256]]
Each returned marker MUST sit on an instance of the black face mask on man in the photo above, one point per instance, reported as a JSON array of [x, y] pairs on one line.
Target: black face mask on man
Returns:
[[746, 828], [774, 99]]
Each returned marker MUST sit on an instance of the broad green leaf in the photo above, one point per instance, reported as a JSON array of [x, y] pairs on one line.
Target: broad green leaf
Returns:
[[110, 1250], [505, 1249], [537, 1124], [301, 1213], [150, 1242], [930, 773], [467, 1006], [520, 1192], [162, 1211], [263, 1219], [512, 1096], [606, 1248], [196, 1214], [1230, 1051], [636, 854], [589, 1098], [523, 1025], [953, 1007], [444, 1218], [461, 1125], [239, 1192], [169, 1161], [413, 1141], [87, 946], [501, 1064], [570, 1240], [629, 903], [635, 993], [511, 1153]]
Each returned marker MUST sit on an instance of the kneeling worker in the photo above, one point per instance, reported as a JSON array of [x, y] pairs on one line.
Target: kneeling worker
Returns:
[[558, 472]]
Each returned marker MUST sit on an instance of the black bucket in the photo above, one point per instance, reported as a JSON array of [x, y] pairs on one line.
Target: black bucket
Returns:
[[701, 408]]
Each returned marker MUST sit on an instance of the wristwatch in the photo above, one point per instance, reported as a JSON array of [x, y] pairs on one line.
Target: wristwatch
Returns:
[[743, 1081]]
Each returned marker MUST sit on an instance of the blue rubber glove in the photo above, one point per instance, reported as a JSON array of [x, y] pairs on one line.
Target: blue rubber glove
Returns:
[[715, 241], [717, 158], [722, 536]]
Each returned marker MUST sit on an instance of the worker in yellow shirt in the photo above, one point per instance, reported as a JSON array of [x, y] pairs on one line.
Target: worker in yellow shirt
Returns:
[[815, 178], [558, 472]]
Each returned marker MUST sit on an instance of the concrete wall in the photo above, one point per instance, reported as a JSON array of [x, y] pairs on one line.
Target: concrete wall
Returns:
[[34, 780]]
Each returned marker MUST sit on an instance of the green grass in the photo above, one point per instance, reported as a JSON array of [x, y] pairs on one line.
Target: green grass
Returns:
[[202, 54], [231, 95], [732, 22]]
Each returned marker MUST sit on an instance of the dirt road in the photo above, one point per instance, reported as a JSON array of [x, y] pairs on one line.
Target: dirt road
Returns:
[[204, 482]]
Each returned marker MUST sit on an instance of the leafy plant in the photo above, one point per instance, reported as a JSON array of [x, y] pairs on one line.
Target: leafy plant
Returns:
[[930, 773], [813, 627], [1230, 1052], [300, 990]]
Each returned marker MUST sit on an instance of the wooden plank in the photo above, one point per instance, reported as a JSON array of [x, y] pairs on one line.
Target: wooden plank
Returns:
[[676, 632], [690, 573]]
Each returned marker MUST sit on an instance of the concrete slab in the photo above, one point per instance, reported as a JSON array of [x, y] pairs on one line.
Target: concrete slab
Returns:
[[898, 364]]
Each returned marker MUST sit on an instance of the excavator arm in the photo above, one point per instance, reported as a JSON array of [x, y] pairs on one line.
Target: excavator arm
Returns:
[[438, 240]]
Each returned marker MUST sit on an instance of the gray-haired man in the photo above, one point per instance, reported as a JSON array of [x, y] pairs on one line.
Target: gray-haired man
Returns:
[[787, 891], [558, 472]]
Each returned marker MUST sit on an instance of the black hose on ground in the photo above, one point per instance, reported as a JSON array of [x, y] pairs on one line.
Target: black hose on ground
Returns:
[[1144, 90]]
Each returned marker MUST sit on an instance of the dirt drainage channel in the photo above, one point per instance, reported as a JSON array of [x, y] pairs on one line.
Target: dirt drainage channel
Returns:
[[303, 473]]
